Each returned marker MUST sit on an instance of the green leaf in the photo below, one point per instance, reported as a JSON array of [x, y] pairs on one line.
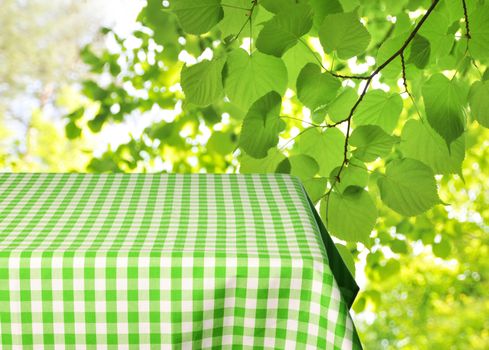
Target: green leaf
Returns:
[[72, 130], [234, 17], [419, 141], [443, 100], [360, 302], [283, 167], [325, 147], [479, 102], [262, 125], [76, 114], [420, 51], [442, 249], [341, 106], [452, 9], [303, 166], [371, 142], [284, 30], [386, 50], [479, 31], [202, 82], [379, 108], [399, 246], [322, 8], [315, 187], [408, 187], [197, 17], [349, 5], [163, 23], [435, 29], [355, 173], [93, 91], [161, 131], [251, 77], [315, 89], [250, 165], [347, 257], [275, 6], [389, 269], [97, 122], [295, 59], [343, 33], [350, 215], [221, 143]]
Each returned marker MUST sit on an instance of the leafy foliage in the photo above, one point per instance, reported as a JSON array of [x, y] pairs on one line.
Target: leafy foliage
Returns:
[[251, 76], [420, 51], [379, 108], [338, 211], [343, 34], [371, 142], [408, 187], [418, 137], [479, 43], [405, 118], [314, 143], [479, 102], [316, 89], [284, 29], [261, 126], [443, 99], [198, 17], [202, 82]]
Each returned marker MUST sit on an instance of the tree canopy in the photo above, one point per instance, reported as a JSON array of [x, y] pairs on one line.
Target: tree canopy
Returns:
[[371, 95]]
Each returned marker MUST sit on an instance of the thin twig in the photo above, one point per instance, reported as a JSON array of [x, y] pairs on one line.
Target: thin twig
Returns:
[[249, 15], [386, 36], [404, 80], [404, 83], [459, 64], [251, 24], [466, 17], [477, 68], [357, 77], [303, 121], [296, 136]]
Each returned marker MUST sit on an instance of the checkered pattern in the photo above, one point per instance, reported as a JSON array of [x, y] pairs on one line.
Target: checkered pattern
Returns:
[[165, 261]]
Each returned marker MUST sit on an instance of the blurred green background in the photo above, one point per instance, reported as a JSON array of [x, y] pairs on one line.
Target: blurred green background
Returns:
[[424, 280]]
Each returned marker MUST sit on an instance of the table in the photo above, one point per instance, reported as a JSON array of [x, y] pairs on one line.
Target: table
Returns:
[[168, 261]]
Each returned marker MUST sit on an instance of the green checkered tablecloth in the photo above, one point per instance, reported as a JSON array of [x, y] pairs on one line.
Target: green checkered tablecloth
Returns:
[[168, 261]]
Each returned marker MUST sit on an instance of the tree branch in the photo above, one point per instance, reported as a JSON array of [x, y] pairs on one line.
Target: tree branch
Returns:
[[399, 52], [466, 17], [404, 80], [368, 81]]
